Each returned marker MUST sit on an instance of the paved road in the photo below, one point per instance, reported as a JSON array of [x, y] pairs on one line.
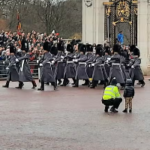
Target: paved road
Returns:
[[71, 119]]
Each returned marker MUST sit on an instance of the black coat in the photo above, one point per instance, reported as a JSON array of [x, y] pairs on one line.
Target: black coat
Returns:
[[25, 45], [129, 91]]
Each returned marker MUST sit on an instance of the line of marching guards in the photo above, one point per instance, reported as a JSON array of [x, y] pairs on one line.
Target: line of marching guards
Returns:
[[95, 65]]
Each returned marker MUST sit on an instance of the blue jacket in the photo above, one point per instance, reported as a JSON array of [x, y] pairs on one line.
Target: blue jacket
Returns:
[[120, 38]]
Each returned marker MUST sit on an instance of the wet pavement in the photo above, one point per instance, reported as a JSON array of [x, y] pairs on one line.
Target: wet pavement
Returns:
[[71, 119]]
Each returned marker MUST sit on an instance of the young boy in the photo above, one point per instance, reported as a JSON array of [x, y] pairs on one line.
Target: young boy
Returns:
[[128, 95]]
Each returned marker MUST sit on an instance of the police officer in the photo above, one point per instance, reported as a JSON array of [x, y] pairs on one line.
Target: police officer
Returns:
[[112, 97]]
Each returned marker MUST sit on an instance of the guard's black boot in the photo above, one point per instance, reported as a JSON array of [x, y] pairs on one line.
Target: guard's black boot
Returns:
[[20, 85], [74, 81], [34, 84], [92, 86], [143, 84], [65, 83], [125, 111], [76, 85], [54, 84], [106, 109], [130, 111], [47, 83], [42, 87], [59, 82], [86, 83], [6, 85]]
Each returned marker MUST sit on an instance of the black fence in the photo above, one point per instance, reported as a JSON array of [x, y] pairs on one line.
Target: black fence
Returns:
[[33, 69]]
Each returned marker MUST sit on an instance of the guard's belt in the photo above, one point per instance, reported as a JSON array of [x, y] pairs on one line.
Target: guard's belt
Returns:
[[116, 64], [70, 62], [82, 63]]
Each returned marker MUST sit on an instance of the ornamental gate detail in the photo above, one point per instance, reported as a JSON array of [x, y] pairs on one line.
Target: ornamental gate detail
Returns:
[[121, 15]]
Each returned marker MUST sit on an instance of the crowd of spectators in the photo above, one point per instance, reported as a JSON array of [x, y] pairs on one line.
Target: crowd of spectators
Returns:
[[35, 44]]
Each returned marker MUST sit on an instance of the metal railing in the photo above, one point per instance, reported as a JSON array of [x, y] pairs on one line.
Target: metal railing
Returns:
[[33, 69]]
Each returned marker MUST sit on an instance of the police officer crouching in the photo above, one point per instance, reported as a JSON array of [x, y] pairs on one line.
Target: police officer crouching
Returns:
[[112, 97]]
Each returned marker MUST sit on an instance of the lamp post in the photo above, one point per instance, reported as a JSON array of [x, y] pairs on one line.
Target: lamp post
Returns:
[[108, 12]]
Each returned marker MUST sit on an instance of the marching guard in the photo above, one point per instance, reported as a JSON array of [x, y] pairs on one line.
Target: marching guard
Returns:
[[12, 68], [99, 73], [24, 69], [81, 73], [47, 73], [70, 69], [136, 71], [60, 63], [90, 68], [116, 69]]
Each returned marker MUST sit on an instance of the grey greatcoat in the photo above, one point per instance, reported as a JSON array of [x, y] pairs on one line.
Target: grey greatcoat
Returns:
[[99, 72], [60, 66], [116, 69], [90, 68], [70, 69], [47, 73], [81, 72], [24, 70], [106, 64], [136, 72], [12, 69]]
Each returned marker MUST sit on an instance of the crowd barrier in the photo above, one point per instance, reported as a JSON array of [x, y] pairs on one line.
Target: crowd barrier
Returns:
[[33, 69]]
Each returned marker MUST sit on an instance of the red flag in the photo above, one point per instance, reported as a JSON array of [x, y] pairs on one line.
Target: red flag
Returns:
[[19, 23], [19, 26]]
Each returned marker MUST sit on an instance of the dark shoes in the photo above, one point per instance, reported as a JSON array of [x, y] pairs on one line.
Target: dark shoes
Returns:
[[41, 89], [20, 86], [85, 84], [143, 85], [106, 109], [126, 111], [75, 86], [113, 110], [5, 86], [34, 86]]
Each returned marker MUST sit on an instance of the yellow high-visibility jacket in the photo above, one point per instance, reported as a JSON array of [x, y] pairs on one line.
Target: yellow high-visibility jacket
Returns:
[[111, 92]]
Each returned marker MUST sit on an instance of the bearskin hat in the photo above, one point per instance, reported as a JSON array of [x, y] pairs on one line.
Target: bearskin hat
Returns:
[[89, 48], [12, 49], [132, 47], [107, 50], [136, 52], [46, 46], [54, 50], [73, 42], [116, 48], [99, 50], [70, 48], [78, 41], [81, 47], [60, 47]]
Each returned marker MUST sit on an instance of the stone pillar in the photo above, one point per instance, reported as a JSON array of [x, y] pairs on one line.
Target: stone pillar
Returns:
[[143, 35], [93, 22]]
